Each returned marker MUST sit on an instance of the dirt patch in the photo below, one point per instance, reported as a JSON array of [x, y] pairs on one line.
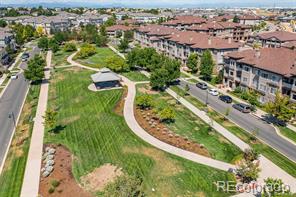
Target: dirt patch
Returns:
[[74, 69], [70, 120], [120, 105], [155, 127], [147, 90], [63, 174], [100, 177]]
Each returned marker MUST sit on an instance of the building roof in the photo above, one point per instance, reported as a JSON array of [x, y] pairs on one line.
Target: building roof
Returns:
[[290, 45], [185, 20], [282, 36], [249, 17], [217, 26], [119, 28], [277, 60], [105, 75], [157, 30]]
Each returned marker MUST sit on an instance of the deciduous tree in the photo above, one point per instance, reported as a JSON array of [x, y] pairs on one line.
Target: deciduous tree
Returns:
[[207, 64], [192, 62]]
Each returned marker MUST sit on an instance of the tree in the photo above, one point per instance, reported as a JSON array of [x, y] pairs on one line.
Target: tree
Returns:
[[167, 114], [35, 72], [86, 51], [159, 78], [187, 88], [248, 171], [50, 119], [207, 64], [101, 41], [251, 155], [43, 43], [60, 37], [40, 31], [192, 62], [3, 23], [145, 101], [173, 69], [118, 34], [235, 19], [53, 45], [281, 108], [117, 64], [123, 45], [274, 187], [103, 31], [128, 35], [111, 21], [70, 47]]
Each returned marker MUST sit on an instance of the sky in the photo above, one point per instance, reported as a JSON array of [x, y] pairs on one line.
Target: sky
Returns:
[[159, 2]]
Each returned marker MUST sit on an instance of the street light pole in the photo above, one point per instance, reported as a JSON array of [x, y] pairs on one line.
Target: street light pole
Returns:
[[11, 115]]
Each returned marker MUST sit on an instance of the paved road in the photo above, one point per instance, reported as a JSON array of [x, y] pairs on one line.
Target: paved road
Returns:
[[11, 102], [248, 122]]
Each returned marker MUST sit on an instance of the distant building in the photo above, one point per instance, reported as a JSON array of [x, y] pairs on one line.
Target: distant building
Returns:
[[184, 22], [266, 71], [6, 38], [113, 30], [106, 79], [275, 39], [250, 20]]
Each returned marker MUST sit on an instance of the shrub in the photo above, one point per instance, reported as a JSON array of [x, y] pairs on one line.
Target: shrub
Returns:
[[55, 183], [86, 51], [167, 114], [144, 101], [51, 190], [251, 155], [69, 47]]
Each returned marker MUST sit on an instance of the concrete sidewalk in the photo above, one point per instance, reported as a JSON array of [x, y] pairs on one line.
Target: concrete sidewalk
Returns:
[[31, 179]]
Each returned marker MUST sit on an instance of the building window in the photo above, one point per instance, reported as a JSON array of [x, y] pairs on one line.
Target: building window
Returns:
[[262, 87], [294, 96], [273, 90], [246, 68], [231, 73], [274, 78], [245, 79], [264, 75]]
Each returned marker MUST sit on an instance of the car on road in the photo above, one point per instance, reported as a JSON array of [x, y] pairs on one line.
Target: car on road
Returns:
[[13, 77], [225, 98], [25, 57], [213, 92], [202, 85], [242, 107]]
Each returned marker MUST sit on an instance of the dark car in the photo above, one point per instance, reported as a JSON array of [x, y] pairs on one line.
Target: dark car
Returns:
[[202, 86], [225, 98], [242, 107]]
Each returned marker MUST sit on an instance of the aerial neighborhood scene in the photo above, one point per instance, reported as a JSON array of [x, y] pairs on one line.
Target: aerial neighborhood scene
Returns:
[[127, 98]]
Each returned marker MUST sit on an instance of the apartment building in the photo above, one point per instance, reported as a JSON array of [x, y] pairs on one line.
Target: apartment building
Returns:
[[6, 38], [221, 29], [140, 17], [265, 70], [90, 18], [250, 19], [184, 22], [275, 39], [115, 29], [179, 44]]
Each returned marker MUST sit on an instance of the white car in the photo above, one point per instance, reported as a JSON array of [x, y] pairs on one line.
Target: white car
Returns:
[[13, 77], [213, 92]]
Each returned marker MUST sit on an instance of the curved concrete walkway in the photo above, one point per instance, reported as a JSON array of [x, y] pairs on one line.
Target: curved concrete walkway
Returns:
[[140, 132]]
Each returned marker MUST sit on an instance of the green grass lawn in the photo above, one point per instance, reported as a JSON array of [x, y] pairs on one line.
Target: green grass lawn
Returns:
[[99, 59], [12, 176], [135, 76], [96, 135], [60, 58], [189, 125], [277, 158], [288, 133]]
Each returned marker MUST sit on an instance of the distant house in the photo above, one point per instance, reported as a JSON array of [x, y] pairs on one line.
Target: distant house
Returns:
[[113, 30], [249, 20], [276, 38], [6, 38], [106, 79]]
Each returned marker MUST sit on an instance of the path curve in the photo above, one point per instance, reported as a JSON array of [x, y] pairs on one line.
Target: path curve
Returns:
[[129, 117]]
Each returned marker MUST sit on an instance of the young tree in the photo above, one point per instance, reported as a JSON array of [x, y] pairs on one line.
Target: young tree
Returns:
[[50, 119], [70, 47], [192, 62], [207, 64], [187, 88], [167, 114], [251, 155], [39, 31], [129, 35], [103, 31], [248, 171], [43, 43], [53, 45], [173, 68], [35, 72], [3, 23], [123, 46], [235, 19], [145, 101], [275, 187], [86, 51], [101, 41], [281, 108]]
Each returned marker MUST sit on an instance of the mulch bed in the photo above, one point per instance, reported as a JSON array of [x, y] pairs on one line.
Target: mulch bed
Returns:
[[156, 128], [62, 173]]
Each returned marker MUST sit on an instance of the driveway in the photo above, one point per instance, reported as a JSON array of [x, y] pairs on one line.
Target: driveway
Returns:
[[11, 103], [266, 132]]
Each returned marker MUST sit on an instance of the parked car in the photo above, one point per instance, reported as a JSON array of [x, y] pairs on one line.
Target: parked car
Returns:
[[242, 107], [13, 77], [25, 57], [202, 86], [225, 98], [213, 92]]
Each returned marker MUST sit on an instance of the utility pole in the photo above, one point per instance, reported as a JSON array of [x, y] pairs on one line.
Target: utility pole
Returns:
[[11, 116]]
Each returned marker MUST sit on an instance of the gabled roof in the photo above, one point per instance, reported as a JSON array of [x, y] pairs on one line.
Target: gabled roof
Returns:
[[185, 20], [277, 60], [105, 75], [119, 28], [282, 36]]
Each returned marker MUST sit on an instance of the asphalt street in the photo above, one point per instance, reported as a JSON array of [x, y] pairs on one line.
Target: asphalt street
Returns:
[[248, 122], [10, 106]]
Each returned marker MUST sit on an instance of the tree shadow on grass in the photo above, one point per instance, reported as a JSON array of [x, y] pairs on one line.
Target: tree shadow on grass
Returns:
[[58, 129]]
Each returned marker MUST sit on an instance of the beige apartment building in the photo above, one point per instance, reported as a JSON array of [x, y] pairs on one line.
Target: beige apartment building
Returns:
[[265, 70], [179, 44], [275, 39]]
